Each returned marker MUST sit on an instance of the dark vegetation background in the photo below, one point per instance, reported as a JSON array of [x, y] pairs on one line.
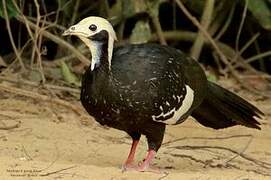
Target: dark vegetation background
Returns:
[[231, 38]]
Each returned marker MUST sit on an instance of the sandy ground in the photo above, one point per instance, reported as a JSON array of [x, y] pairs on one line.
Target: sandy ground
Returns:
[[51, 143]]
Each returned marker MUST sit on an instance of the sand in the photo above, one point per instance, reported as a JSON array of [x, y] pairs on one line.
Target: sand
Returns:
[[52, 143]]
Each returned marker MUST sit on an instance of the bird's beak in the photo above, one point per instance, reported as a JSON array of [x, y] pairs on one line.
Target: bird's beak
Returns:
[[66, 33], [73, 30], [76, 30]]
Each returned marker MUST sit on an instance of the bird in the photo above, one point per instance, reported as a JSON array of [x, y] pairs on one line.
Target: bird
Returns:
[[142, 88]]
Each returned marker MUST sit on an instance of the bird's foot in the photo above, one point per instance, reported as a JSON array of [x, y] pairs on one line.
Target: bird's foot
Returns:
[[141, 167], [145, 167], [128, 166]]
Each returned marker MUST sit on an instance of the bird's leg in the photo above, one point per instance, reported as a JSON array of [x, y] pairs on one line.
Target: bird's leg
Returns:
[[129, 162], [154, 143], [145, 165]]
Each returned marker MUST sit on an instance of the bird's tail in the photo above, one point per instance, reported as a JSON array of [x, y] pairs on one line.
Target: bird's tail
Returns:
[[221, 108]]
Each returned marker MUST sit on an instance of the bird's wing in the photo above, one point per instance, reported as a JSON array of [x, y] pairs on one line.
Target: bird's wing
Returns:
[[152, 83]]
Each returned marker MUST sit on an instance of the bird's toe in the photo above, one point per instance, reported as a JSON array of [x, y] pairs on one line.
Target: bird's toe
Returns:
[[149, 168], [128, 166]]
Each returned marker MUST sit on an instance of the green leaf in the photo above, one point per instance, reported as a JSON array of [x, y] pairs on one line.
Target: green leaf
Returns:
[[211, 77], [115, 13], [153, 6], [11, 10], [196, 6], [68, 75], [261, 11], [141, 32], [131, 7], [34, 76]]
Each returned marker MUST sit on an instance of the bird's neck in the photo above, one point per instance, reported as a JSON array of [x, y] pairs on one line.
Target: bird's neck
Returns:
[[101, 52]]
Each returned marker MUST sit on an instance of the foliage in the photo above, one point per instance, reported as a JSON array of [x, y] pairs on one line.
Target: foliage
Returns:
[[141, 33], [11, 10], [243, 37], [68, 75], [261, 9]]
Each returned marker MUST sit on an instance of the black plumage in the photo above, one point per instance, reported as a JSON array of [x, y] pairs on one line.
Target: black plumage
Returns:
[[146, 86]]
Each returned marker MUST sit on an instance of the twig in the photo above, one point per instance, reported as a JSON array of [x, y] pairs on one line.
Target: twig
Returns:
[[11, 126], [59, 10], [51, 36], [241, 27], [53, 162], [207, 138], [239, 53], [191, 36], [244, 156], [26, 153], [44, 7], [226, 24], [69, 57], [2, 62], [59, 41], [261, 60], [218, 50], [174, 19], [75, 12], [60, 170], [35, 38], [37, 84], [176, 35], [10, 35], [19, 39], [244, 149], [40, 97], [157, 25], [258, 56], [206, 34], [220, 15], [48, 23], [218, 63], [205, 163], [208, 163], [38, 40], [20, 52], [206, 20], [35, 35], [120, 30], [249, 42], [24, 20]]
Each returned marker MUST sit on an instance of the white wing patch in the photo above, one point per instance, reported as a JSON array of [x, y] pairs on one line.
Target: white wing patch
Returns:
[[186, 104]]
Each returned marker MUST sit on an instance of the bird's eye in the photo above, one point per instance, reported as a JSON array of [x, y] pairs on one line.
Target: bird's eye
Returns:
[[93, 27]]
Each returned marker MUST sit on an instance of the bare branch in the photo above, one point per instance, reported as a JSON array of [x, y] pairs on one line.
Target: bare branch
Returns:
[[10, 35]]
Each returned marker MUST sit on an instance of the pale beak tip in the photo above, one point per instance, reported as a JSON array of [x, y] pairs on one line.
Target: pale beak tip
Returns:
[[66, 33]]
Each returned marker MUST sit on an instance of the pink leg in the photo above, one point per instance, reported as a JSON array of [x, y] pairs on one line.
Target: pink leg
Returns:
[[145, 165], [129, 162]]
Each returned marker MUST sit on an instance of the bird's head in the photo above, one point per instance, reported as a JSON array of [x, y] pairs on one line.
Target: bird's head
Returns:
[[90, 28], [94, 31]]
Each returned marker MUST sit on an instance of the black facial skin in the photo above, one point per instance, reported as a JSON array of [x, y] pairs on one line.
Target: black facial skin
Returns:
[[101, 36]]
